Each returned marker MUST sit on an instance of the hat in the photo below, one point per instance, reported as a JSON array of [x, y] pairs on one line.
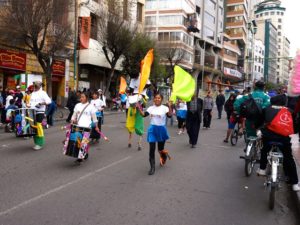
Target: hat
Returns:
[[18, 87], [99, 90]]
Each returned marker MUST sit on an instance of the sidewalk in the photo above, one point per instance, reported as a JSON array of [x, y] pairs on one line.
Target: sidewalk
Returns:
[[296, 153]]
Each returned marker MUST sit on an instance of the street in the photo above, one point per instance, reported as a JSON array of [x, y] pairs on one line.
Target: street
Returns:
[[201, 186]]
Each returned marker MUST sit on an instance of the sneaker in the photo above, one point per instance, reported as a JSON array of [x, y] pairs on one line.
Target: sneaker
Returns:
[[226, 141], [37, 147], [179, 132], [296, 187], [261, 172]]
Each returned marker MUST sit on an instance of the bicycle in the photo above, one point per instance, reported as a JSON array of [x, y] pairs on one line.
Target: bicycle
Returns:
[[274, 171], [236, 133], [252, 153]]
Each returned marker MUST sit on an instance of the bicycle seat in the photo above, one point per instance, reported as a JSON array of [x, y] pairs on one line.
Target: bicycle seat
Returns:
[[274, 143]]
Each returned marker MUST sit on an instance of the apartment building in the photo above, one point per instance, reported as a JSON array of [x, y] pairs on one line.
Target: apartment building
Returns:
[[93, 66], [272, 11], [195, 27], [259, 55], [267, 32], [285, 60]]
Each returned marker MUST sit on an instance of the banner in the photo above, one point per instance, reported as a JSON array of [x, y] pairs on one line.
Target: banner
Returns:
[[123, 85], [85, 32], [146, 69], [58, 68], [12, 60], [184, 85]]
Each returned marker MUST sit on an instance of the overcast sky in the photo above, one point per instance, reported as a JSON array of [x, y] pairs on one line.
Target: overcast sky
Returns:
[[292, 23]]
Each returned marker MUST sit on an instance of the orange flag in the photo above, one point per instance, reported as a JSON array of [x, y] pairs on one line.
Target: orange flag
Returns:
[[123, 85], [145, 70]]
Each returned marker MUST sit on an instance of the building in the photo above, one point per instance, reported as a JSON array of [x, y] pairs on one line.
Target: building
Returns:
[[272, 11], [93, 66], [193, 27], [259, 56], [267, 32], [285, 60]]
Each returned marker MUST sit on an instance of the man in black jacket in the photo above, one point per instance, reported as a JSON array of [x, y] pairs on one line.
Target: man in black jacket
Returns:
[[193, 119], [220, 101], [269, 136]]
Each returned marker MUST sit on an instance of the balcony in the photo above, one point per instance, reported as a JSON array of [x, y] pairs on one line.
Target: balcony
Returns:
[[235, 24], [235, 13], [233, 2]]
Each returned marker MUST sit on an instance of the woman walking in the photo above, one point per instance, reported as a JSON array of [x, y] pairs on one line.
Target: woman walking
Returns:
[[83, 117], [99, 107], [157, 131], [229, 109], [181, 111]]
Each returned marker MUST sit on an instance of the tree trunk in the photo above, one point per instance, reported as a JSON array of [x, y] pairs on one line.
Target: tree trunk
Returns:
[[49, 80], [110, 76]]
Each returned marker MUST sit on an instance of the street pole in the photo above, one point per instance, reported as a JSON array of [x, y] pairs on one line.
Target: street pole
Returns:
[[75, 46], [202, 85]]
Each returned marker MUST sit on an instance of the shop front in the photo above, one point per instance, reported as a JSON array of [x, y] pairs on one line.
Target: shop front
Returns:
[[12, 64]]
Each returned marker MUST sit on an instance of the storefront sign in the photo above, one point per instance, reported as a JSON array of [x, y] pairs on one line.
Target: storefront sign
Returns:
[[85, 32], [12, 60], [232, 72], [58, 68]]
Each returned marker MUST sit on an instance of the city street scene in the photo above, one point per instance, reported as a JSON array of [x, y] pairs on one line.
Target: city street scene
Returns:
[[165, 112]]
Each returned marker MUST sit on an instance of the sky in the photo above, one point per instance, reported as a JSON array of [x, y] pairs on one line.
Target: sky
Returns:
[[292, 23]]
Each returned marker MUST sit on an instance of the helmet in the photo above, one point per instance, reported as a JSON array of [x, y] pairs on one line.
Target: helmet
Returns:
[[260, 84]]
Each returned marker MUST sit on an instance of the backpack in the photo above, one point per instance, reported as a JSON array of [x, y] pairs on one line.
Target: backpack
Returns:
[[250, 109], [282, 123]]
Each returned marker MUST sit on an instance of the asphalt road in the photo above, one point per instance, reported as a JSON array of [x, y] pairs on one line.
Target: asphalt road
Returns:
[[202, 186]]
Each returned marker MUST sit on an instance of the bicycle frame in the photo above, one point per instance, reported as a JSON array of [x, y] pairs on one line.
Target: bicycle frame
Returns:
[[275, 158]]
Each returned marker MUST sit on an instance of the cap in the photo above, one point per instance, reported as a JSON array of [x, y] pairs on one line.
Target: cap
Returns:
[[18, 87], [99, 90]]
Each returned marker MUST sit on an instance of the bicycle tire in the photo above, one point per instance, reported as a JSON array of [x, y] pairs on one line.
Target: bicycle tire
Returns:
[[234, 138], [249, 162], [272, 196]]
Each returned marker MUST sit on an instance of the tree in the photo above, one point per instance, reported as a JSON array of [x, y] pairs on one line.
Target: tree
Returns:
[[172, 54], [40, 25], [116, 33]]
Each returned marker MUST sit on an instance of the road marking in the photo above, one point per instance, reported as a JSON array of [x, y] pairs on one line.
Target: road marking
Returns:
[[8, 211]]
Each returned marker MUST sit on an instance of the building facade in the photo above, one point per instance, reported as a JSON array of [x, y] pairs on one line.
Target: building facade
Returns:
[[259, 57], [272, 11]]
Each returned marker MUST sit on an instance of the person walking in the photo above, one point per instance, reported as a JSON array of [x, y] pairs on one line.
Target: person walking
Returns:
[[38, 101], [50, 112], [208, 104], [18, 97], [220, 101], [84, 116], [99, 106], [181, 111], [103, 99], [157, 131], [229, 109], [193, 119]]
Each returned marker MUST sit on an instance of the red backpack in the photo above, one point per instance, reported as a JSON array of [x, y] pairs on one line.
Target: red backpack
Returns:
[[282, 123]]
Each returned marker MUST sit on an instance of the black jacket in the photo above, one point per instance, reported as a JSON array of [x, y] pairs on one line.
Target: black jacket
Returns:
[[220, 100], [199, 108]]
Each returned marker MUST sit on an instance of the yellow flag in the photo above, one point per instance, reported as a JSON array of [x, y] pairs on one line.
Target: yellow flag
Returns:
[[123, 85], [145, 70], [184, 85]]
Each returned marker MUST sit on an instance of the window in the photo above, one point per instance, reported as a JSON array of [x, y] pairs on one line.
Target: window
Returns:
[[150, 20], [279, 33], [255, 68], [257, 16], [278, 13], [282, 13], [139, 13], [279, 27], [266, 13], [171, 20], [198, 10], [209, 18], [279, 20], [94, 30], [151, 4], [208, 32], [210, 4], [272, 13]]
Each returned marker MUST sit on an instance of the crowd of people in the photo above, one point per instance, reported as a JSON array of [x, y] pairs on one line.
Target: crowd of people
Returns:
[[86, 111]]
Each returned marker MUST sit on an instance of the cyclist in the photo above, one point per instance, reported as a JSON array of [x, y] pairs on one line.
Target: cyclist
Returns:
[[268, 136], [261, 99]]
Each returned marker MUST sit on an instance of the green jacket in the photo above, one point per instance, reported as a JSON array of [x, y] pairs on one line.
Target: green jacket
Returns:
[[259, 96]]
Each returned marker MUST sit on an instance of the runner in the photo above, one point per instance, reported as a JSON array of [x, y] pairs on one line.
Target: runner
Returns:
[[84, 115], [38, 101], [157, 131]]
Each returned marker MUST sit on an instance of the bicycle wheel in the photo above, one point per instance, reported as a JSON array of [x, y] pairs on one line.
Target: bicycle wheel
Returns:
[[249, 162], [234, 137], [272, 196]]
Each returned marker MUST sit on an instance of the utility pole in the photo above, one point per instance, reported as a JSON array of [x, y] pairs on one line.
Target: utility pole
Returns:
[[75, 47]]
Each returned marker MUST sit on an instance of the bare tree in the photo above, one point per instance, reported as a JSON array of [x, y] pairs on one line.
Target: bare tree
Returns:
[[116, 32], [172, 54], [40, 25]]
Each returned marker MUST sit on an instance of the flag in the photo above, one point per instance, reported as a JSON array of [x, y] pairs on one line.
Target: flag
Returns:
[[145, 70], [123, 85], [184, 85]]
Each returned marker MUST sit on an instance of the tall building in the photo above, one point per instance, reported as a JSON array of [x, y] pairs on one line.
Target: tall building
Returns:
[[267, 32], [193, 27], [259, 55], [237, 15], [285, 60], [272, 11]]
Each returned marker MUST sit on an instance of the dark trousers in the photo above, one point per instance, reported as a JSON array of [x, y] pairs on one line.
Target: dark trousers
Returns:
[[50, 119], [207, 117], [3, 115], [193, 123], [289, 165], [220, 109], [160, 145], [70, 115], [94, 133], [181, 122]]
